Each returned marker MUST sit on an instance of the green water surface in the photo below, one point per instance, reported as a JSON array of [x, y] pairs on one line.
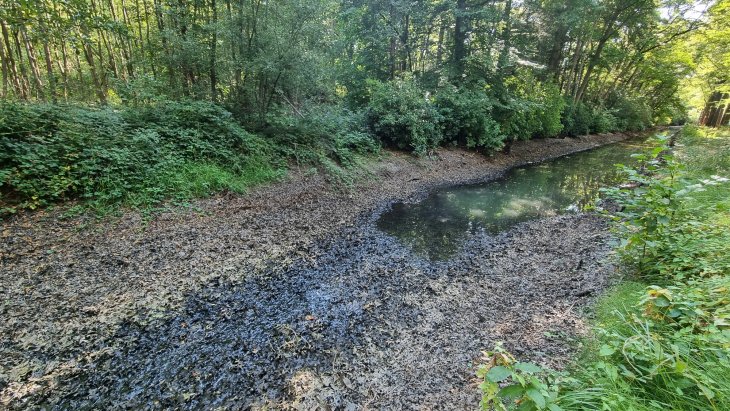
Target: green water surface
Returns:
[[437, 226]]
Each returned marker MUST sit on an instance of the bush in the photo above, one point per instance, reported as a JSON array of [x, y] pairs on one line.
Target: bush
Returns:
[[604, 121], [322, 133], [531, 108], [199, 131], [577, 118], [401, 115], [633, 113], [664, 346], [670, 350], [551, 110], [466, 118], [506, 381], [519, 119], [109, 156]]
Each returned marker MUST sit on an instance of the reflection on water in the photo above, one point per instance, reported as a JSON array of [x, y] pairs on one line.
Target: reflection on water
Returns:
[[437, 225]]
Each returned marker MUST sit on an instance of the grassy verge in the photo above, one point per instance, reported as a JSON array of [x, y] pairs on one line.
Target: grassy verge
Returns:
[[661, 341]]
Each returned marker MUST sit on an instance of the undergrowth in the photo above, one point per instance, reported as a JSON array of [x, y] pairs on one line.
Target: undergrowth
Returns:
[[142, 156], [661, 341]]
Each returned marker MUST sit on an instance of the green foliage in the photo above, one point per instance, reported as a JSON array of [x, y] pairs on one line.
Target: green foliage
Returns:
[[698, 306], [402, 115], [604, 121], [648, 363], [633, 113], [519, 119], [321, 133], [467, 118], [507, 384], [577, 118], [532, 109], [649, 204], [666, 345], [670, 350], [133, 156], [198, 131], [551, 110], [659, 236]]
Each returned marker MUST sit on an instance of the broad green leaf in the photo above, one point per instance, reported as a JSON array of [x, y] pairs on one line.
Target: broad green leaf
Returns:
[[512, 391], [535, 395], [606, 350], [498, 374], [527, 367]]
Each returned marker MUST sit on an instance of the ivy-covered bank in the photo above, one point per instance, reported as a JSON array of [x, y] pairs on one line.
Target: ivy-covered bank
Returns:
[[662, 337]]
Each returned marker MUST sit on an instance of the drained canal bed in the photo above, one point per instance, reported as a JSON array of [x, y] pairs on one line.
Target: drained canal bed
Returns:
[[437, 226], [354, 321]]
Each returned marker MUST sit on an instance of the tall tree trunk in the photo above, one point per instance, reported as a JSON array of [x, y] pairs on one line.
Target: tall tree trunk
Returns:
[[19, 53], [140, 36], [13, 71], [126, 45], [33, 65], [47, 57], [150, 49], [98, 83], [440, 45], [213, 45], [165, 46], [724, 117], [555, 57], [393, 46], [62, 64], [460, 34], [506, 39], [596, 55], [406, 41], [4, 61]]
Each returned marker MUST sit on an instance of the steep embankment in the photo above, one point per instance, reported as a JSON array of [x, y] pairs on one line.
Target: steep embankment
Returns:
[[287, 295]]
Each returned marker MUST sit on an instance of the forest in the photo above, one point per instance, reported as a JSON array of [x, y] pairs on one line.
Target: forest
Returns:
[[233, 90], [365, 204]]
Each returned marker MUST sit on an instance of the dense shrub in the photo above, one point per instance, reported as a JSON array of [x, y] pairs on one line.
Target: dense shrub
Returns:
[[551, 110], [604, 121], [199, 131], [134, 155], [518, 118], [577, 118], [633, 113], [467, 118], [320, 133], [401, 114], [531, 109]]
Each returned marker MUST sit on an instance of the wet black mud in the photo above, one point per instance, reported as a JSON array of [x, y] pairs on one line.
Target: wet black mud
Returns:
[[367, 324], [290, 298]]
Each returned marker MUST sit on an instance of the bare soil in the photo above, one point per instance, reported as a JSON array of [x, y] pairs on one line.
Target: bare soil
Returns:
[[289, 297]]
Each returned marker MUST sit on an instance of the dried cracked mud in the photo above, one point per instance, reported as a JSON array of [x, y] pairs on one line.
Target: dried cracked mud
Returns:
[[289, 297]]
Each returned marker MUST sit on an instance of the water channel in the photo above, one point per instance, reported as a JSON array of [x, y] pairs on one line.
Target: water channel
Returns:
[[437, 226]]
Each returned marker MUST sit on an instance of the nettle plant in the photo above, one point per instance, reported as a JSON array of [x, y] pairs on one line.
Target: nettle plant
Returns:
[[697, 307], [652, 222], [649, 204], [508, 384]]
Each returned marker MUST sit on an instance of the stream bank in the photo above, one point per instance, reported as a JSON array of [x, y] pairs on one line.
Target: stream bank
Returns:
[[289, 297]]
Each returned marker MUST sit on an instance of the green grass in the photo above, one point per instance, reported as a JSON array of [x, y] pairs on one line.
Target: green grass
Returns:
[[617, 302], [706, 153], [667, 346], [204, 179]]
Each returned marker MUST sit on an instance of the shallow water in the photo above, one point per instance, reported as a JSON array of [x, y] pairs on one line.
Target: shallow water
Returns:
[[437, 226]]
